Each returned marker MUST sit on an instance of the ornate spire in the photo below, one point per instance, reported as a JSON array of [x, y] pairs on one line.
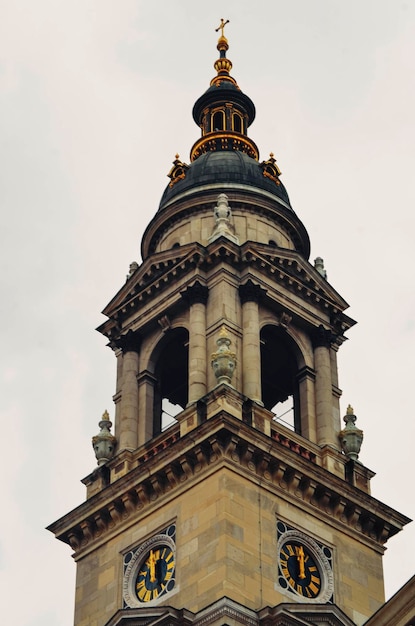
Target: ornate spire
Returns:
[[224, 112], [222, 65]]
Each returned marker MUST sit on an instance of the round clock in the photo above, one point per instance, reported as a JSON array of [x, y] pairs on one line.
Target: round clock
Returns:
[[149, 570], [155, 572], [304, 567]]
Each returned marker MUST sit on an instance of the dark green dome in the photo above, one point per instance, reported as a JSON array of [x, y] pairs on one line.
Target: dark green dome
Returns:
[[224, 170]]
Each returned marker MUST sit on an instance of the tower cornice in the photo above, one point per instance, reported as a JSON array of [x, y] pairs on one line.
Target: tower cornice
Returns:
[[286, 465]]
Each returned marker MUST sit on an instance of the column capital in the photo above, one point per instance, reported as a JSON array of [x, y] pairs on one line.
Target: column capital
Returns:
[[322, 337], [196, 293], [250, 292], [130, 342]]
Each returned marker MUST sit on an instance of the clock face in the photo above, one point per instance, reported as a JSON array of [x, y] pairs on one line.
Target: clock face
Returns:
[[304, 566], [150, 570], [300, 569], [154, 573]]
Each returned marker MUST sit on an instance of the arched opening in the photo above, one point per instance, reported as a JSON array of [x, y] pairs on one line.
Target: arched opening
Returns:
[[279, 369], [171, 374], [237, 123], [218, 121]]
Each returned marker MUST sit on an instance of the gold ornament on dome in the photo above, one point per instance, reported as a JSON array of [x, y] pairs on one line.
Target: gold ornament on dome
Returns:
[[178, 171], [271, 170]]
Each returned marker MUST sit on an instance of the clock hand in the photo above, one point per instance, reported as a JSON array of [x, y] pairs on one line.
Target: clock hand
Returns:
[[300, 560], [152, 566]]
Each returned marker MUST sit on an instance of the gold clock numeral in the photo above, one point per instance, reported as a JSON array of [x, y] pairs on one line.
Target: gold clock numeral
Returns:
[[147, 596], [314, 588], [290, 550], [299, 589], [142, 592]]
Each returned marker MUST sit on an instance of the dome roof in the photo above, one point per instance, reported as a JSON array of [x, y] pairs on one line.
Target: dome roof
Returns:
[[224, 169]]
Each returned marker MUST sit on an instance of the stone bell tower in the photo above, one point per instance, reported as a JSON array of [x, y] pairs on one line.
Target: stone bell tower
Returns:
[[226, 515]]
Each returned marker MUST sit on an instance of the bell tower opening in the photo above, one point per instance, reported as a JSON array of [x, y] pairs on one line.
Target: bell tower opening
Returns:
[[218, 121], [171, 373], [279, 369]]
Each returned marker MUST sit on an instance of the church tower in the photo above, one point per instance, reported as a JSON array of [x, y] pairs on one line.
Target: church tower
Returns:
[[227, 514]]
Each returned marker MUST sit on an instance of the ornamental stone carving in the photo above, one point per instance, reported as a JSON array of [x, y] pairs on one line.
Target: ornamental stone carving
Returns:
[[104, 442], [351, 437], [223, 360]]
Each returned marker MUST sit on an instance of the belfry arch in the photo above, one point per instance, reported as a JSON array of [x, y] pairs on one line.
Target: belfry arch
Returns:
[[281, 362], [169, 365]]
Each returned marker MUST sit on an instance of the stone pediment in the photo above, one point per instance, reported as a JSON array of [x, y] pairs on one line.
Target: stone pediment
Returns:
[[149, 271], [291, 269], [153, 276], [286, 268]]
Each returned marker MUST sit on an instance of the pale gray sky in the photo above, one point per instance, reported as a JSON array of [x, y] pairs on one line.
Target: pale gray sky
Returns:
[[95, 100]]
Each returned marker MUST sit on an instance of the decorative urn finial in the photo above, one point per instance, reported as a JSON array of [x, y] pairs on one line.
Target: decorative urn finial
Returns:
[[104, 442], [351, 437], [223, 360]]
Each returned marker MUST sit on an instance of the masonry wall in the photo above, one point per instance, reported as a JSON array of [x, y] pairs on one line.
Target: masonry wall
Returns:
[[227, 546]]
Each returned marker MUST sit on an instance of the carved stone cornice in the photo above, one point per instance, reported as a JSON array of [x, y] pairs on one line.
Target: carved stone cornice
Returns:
[[224, 441], [286, 269]]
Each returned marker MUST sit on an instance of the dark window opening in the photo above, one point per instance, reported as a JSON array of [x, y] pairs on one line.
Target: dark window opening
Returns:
[[171, 372], [218, 121], [237, 123], [279, 376]]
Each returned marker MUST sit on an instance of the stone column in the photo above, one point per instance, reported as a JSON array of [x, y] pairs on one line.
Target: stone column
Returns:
[[146, 389], [306, 391], [250, 295], [326, 434], [197, 296], [127, 430]]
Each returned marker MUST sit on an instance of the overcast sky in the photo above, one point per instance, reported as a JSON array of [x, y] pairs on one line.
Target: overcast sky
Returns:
[[95, 101]]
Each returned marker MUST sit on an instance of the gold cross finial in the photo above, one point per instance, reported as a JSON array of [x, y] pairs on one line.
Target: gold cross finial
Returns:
[[222, 26]]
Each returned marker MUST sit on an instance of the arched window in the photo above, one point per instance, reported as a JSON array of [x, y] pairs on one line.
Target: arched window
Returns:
[[171, 374], [218, 121], [237, 123], [279, 369]]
